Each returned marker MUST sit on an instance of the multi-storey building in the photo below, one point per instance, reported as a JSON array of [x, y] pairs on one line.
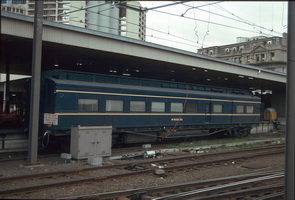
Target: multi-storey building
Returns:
[[132, 22], [120, 18], [266, 52], [115, 17], [53, 10], [16, 6]]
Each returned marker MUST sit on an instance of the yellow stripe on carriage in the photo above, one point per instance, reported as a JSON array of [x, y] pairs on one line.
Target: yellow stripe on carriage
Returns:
[[155, 96], [154, 114]]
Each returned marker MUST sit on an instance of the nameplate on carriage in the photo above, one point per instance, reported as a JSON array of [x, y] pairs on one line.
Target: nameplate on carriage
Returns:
[[177, 119]]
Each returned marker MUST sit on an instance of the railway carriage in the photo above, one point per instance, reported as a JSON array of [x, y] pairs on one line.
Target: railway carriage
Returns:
[[142, 110]]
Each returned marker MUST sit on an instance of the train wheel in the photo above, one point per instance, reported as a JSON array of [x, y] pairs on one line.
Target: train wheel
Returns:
[[241, 132]]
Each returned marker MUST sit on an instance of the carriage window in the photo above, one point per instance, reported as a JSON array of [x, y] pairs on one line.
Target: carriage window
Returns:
[[250, 109], [158, 106], [88, 105], [240, 109], [176, 107], [114, 105], [137, 106], [191, 107], [217, 108]]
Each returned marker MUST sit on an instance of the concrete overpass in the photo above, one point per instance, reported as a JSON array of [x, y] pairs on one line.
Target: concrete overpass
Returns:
[[80, 49]]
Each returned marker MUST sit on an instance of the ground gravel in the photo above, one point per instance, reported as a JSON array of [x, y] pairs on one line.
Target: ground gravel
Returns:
[[18, 168]]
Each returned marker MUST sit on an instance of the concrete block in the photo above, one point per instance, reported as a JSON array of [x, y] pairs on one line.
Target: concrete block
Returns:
[[66, 156], [95, 160]]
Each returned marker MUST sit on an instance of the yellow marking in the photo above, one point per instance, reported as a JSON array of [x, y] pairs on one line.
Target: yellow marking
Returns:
[[156, 114], [154, 96]]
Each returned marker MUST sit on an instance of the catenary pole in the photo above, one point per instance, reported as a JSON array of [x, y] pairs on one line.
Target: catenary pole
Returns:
[[290, 139], [35, 84]]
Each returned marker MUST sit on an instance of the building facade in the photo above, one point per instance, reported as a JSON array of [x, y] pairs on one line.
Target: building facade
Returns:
[[121, 18], [132, 22], [15, 6], [266, 52], [115, 17], [53, 10]]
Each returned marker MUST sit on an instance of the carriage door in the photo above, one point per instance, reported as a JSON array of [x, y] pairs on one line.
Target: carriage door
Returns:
[[207, 113]]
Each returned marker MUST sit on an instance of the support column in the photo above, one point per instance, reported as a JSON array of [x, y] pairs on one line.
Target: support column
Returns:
[[7, 84], [278, 101], [35, 85], [290, 139], [6, 94]]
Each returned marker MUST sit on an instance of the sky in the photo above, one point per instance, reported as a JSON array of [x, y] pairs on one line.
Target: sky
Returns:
[[199, 24]]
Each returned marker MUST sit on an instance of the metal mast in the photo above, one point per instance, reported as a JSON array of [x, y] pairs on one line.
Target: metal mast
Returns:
[[290, 139], [35, 85]]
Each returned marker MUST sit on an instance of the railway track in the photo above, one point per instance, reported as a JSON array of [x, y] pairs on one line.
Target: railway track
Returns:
[[233, 187], [77, 177]]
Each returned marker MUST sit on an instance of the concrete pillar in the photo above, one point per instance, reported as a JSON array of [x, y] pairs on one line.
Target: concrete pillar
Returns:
[[279, 101]]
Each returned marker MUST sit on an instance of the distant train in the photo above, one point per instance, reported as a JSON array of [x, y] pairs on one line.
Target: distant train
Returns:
[[143, 110]]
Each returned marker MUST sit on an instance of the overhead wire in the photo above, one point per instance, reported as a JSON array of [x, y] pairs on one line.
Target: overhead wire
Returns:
[[204, 21], [209, 22], [245, 21], [196, 25], [197, 7], [207, 32], [162, 32], [239, 19], [284, 26]]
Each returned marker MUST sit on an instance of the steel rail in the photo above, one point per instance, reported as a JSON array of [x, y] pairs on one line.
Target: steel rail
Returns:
[[243, 194], [172, 187], [148, 171], [194, 193], [277, 195], [63, 173]]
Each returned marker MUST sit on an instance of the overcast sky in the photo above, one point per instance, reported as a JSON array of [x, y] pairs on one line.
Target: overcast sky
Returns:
[[197, 24]]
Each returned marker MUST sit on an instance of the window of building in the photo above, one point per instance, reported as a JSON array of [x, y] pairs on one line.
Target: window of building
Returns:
[[272, 55], [50, 18], [240, 109], [257, 58], [176, 107], [217, 108], [191, 107], [241, 48], [114, 105], [248, 59], [137, 106], [262, 57], [158, 106], [240, 60], [250, 109], [88, 105]]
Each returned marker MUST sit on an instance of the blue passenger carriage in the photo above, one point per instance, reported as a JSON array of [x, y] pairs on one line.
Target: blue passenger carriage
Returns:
[[141, 110]]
